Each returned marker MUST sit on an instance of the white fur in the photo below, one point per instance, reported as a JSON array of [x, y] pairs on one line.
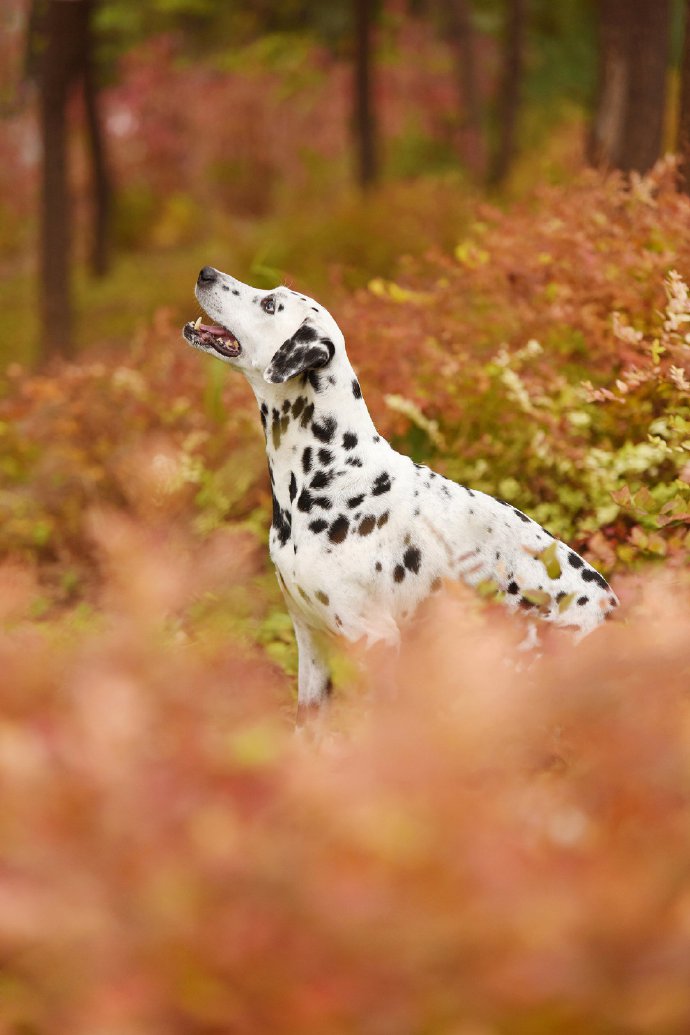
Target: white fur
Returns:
[[360, 568]]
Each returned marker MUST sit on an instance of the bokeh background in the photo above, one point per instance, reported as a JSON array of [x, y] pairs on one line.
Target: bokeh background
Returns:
[[491, 197]]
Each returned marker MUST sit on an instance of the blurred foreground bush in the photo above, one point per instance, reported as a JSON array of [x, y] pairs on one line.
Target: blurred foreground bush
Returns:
[[490, 852]]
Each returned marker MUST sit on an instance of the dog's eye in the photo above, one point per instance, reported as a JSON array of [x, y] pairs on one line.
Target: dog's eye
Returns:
[[269, 305]]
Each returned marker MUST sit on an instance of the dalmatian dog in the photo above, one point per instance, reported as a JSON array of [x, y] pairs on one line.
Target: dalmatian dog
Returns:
[[361, 535]]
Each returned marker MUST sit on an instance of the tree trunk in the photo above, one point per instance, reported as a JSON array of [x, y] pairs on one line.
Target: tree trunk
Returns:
[[62, 52], [364, 114], [604, 146], [650, 39], [627, 128], [461, 37], [101, 186], [684, 114], [63, 35], [510, 90]]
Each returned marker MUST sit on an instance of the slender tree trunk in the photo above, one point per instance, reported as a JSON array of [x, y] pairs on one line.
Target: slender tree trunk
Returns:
[[62, 36], [604, 146], [627, 127], [364, 113], [101, 186], [510, 90], [684, 114], [461, 37], [61, 51]]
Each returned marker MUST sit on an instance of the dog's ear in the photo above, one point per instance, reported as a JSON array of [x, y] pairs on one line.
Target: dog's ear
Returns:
[[307, 349]]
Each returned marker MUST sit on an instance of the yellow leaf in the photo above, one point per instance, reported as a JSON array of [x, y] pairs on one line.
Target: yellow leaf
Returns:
[[470, 255], [550, 561]]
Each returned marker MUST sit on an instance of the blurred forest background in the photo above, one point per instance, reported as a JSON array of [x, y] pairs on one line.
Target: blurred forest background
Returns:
[[492, 198]]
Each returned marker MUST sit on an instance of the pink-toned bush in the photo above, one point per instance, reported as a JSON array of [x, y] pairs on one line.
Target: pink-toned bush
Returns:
[[488, 851]]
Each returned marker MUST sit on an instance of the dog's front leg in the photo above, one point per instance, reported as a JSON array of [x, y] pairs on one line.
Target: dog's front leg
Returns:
[[313, 675]]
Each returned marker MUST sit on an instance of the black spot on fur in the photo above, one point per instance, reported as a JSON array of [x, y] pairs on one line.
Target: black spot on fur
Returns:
[[339, 529], [590, 575], [321, 479], [298, 405], [281, 523], [225, 287], [286, 406], [305, 501], [412, 558], [355, 501], [382, 483], [383, 519], [526, 604], [305, 333], [293, 486], [353, 461], [574, 560], [398, 573], [523, 517], [323, 502], [314, 380], [307, 414], [349, 440], [325, 429], [322, 597], [560, 596], [318, 525], [582, 601], [368, 524], [513, 588], [356, 390], [306, 460], [378, 565], [325, 457], [235, 291]]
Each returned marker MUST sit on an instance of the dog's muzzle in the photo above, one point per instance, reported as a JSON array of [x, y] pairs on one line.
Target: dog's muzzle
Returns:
[[212, 337]]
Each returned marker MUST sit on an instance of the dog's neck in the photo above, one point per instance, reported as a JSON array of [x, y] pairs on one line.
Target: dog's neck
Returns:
[[321, 410]]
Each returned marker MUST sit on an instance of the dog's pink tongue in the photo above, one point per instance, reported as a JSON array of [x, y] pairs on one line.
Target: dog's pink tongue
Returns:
[[219, 332]]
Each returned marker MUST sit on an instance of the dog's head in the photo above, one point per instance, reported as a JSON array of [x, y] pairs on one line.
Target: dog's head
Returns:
[[268, 335]]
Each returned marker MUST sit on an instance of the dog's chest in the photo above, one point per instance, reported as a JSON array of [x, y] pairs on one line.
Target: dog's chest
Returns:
[[357, 547]]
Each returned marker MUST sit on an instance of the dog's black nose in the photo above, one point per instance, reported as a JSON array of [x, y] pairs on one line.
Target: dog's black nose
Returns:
[[207, 275]]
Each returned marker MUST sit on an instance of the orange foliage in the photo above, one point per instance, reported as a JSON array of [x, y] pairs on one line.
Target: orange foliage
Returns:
[[488, 851]]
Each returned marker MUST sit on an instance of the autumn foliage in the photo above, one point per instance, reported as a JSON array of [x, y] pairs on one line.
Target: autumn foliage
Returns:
[[501, 848]]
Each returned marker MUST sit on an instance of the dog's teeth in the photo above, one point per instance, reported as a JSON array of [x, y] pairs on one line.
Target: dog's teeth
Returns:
[[197, 325], [227, 341]]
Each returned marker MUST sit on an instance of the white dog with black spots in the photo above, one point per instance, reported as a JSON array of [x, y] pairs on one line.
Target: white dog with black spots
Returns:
[[361, 535]]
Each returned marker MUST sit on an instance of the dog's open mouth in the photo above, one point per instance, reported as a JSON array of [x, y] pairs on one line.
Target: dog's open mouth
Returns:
[[211, 336]]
